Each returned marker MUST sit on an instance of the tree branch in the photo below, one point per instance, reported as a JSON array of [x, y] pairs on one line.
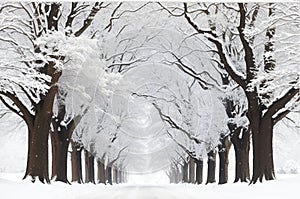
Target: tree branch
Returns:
[[212, 37], [251, 69], [11, 108], [281, 102], [27, 116], [87, 22], [280, 116], [190, 154], [173, 124], [118, 156], [71, 18]]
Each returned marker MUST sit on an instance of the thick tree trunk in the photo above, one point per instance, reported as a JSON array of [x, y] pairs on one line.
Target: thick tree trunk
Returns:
[[89, 167], [76, 163], [262, 137], [211, 163], [60, 144], [38, 157], [101, 172], [37, 163], [185, 177], [223, 160], [199, 171], [191, 171], [266, 146], [241, 149]]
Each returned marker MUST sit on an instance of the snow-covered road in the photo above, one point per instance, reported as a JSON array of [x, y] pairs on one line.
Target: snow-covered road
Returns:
[[286, 186]]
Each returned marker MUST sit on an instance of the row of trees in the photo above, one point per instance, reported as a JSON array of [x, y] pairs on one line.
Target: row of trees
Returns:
[[248, 55], [237, 76]]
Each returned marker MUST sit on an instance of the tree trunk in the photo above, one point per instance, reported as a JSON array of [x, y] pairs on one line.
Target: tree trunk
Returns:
[[89, 167], [76, 163], [223, 159], [38, 157], [37, 162], [120, 176], [178, 174], [185, 177], [115, 174], [241, 149], [262, 138], [254, 117], [109, 174], [211, 163], [60, 155], [199, 171], [191, 171], [266, 145], [101, 172]]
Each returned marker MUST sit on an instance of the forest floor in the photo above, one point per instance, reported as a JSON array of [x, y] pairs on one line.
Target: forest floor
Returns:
[[12, 187]]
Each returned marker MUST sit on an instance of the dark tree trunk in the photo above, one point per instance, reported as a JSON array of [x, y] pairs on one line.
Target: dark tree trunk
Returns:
[[76, 162], [266, 145], [37, 162], [109, 174], [211, 163], [241, 146], [191, 171], [89, 167], [223, 159], [101, 172], [60, 143], [262, 132], [185, 177], [199, 171]]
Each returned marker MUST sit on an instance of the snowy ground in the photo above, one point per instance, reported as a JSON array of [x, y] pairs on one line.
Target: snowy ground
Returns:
[[11, 187], [13, 151]]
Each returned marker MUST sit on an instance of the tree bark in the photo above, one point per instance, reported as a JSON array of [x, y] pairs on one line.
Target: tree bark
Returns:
[[109, 174], [191, 171], [199, 171], [185, 172], [60, 144], [241, 149], [211, 163], [101, 172], [89, 167], [266, 145], [76, 162], [37, 164], [223, 159]]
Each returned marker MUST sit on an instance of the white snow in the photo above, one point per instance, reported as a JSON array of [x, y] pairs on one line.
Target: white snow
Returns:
[[11, 186]]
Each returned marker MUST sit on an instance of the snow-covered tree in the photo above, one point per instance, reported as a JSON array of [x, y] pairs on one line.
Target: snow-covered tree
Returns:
[[271, 92], [45, 39]]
